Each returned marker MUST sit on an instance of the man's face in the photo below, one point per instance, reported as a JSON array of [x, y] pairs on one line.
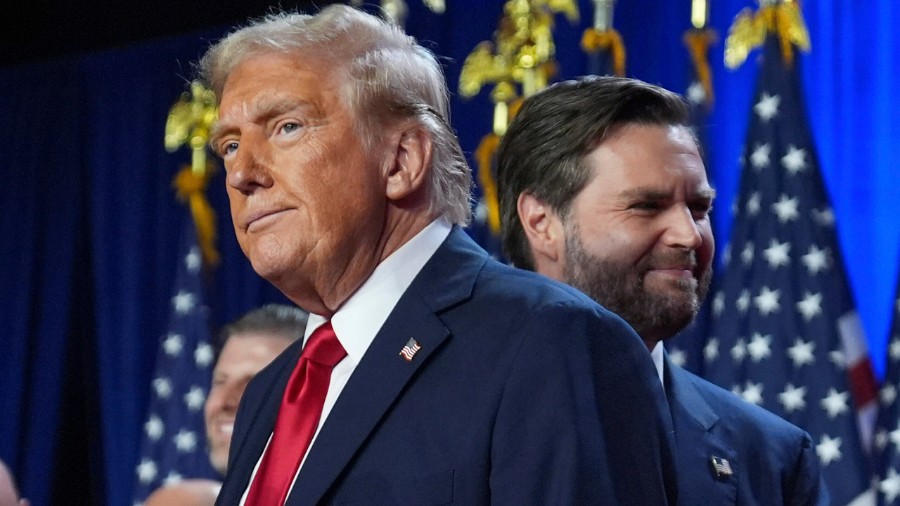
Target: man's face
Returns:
[[242, 357], [307, 196], [638, 236]]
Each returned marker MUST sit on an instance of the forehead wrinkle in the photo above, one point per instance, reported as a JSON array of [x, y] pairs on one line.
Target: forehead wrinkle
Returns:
[[268, 105], [273, 105]]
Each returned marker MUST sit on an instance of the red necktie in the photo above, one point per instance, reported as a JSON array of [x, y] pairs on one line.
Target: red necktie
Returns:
[[298, 417]]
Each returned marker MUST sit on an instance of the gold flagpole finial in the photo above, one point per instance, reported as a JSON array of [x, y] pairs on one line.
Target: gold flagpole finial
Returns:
[[749, 30], [521, 55], [189, 123]]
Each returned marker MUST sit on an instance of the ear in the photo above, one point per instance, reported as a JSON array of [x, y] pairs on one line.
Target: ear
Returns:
[[545, 232], [408, 163]]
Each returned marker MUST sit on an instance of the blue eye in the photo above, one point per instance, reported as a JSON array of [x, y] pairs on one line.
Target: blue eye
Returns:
[[229, 147], [290, 127]]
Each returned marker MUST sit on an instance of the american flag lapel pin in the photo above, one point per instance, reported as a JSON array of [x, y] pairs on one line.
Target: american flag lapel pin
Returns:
[[410, 349], [720, 467]]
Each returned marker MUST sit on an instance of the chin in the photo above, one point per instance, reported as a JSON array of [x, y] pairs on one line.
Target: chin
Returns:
[[265, 271], [267, 252], [219, 461], [270, 265]]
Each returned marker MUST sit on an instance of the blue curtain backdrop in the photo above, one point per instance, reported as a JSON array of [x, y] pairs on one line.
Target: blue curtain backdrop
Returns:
[[89, 222]]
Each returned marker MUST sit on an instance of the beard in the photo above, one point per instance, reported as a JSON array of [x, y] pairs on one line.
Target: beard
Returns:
[[653, 314]]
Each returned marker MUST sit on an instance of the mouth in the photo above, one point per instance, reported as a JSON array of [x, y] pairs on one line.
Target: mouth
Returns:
[[261, 219], [675, 271], [683, 272], [224, 427]]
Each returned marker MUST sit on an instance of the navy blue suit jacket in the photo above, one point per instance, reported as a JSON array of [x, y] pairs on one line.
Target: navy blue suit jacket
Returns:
[[524, 392], [772, 461]]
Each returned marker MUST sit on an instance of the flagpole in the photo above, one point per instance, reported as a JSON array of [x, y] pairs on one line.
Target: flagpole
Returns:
[[699, 13], [603, 43]]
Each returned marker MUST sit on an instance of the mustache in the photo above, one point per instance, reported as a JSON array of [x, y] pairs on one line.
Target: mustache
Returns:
[[668, 258]]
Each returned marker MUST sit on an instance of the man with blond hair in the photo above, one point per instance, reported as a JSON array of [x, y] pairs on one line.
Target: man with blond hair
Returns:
[[429, 373]]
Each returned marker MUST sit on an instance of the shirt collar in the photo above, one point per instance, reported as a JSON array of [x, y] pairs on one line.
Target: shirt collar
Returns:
[[360, 318], [657, 355]]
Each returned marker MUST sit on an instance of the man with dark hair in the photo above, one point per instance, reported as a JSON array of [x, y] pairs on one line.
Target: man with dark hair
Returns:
[[244, 346], [429, 373], [602, 186]]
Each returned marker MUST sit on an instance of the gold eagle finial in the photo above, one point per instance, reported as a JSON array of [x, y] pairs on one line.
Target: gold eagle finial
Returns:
[[750, 29]]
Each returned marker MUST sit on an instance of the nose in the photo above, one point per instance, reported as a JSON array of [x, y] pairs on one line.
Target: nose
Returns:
[[249, 170], [231, 397], [223, 397], [681, 229]]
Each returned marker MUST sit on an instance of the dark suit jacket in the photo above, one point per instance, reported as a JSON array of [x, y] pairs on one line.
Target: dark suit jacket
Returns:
[[772, 461], [502, 405]]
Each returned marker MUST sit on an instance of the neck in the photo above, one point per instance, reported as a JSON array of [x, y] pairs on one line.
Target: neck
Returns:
[[650, 343], [333, 287]]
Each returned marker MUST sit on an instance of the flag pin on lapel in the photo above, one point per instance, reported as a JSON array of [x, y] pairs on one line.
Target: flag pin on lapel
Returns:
[[410, 349], [721, 467]]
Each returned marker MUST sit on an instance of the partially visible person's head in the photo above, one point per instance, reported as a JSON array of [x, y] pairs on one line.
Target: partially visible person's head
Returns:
[[334, 129], [9, 495], [246, 346], [602, 186]]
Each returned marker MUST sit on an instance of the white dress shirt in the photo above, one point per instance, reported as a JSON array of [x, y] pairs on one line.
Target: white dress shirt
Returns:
[[361, 316], [657, 355]]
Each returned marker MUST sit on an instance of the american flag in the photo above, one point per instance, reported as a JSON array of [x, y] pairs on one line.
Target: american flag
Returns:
[[174, 441], [784, 333], [410, 349], [887, 434], [721, 467]]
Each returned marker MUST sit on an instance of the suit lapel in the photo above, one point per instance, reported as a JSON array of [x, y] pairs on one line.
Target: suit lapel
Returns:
[[262, 405], [697, 443], [382, 374], [690, 405]]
